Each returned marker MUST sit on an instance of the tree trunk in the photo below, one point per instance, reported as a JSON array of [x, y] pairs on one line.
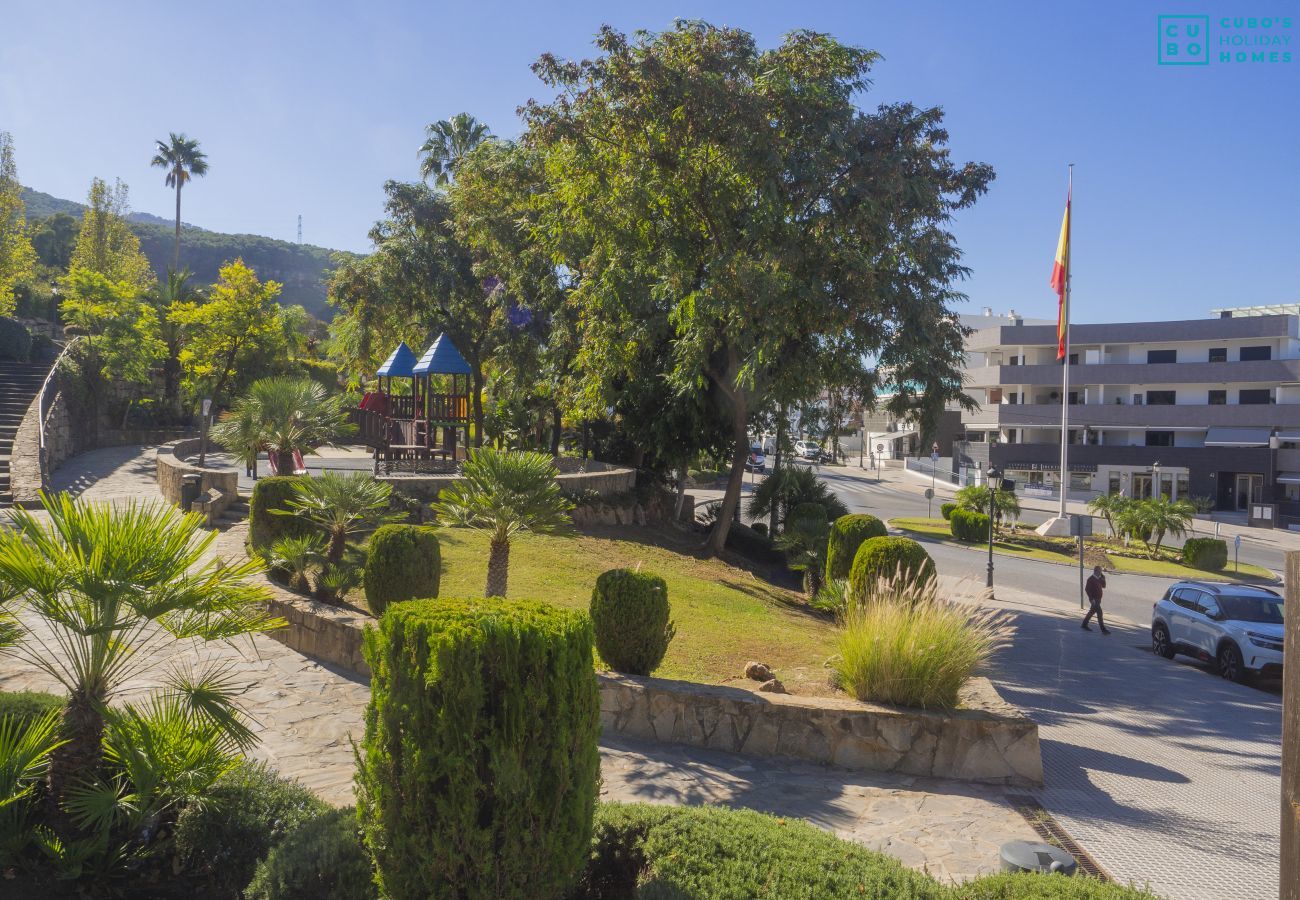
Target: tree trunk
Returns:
[[776, 468], [555, 431], [338, 543], [81, 757], [477, 377], [736, 480], [176, 262], [498, 568], [681, 491]]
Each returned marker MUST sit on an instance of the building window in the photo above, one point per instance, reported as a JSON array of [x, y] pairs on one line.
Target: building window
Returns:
[[1253, 397], [1074, 359], [995, 395], [1218, 354], [1162, 356], [1013, 399], [1160, 438], [1013, 361], [1292, 491], [1218, 398], [1074, 398], [1250, 354], [975, 437], [1161, 398], [1114, 487], [1184, 486]]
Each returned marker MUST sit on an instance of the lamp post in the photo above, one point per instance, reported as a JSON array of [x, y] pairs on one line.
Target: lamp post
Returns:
[[1155, 479], [992, 481]]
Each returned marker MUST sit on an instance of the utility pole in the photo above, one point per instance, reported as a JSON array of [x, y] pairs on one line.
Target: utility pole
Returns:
[[1290, 855], [300, 228]]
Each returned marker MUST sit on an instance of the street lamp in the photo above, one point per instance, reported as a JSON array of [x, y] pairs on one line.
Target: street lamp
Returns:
[[1155, 477], [992, 481]]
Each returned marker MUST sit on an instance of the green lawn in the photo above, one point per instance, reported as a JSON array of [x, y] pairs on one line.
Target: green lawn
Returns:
[[939, 530], [725, 616]]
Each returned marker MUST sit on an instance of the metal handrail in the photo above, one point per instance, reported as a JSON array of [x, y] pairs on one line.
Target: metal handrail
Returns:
[[42, 399]]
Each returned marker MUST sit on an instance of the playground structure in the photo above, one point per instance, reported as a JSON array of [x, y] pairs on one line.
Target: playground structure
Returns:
[[419, 430]]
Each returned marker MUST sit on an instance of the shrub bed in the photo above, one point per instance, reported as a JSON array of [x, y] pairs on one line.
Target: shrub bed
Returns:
[[753, 546], [403, 562], [946, 510], [24, 706], [968, 525], [322, 859], [847, 535], [479, 768], [630, 616], [264, 526], [1207, 554], [888, 557]]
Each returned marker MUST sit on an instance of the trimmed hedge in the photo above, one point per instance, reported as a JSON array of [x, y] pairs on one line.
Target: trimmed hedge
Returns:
[[887, 557], [479, 769], [968, 525], [403, 562], [630, 616], [264, 526], [322, 859], [251, 810], [24, 706], [847, 535], [946, 509], [1206, 554]]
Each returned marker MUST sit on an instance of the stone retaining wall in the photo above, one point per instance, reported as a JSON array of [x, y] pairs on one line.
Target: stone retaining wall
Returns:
[[987, 740], [606, 480], [173, 465]]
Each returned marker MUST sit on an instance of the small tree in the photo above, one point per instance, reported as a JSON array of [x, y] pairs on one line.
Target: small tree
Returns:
[[282, 415], [804, 543], [504, 493], [341, 506], [1109, 507], [975, 497], [790, 487], [1154, 518]]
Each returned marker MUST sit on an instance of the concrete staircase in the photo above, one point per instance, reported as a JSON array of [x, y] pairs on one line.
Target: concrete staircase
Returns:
[[19, 385]]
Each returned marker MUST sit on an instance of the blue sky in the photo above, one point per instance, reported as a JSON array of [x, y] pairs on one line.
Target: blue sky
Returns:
[[1186, 185]]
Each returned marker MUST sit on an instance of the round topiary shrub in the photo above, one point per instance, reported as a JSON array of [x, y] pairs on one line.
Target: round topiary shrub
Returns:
[[888, 557], [264, 526], [847, 534], [968, 525], [479, 768], [1206, 554], [403, 562], [946, 510], [630, 615], [322, 859]]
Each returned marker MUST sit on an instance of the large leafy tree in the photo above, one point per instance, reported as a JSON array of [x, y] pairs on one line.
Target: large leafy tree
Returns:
[[122, 326], [105, 243], [446, 142], [183, 160], [17, 258], [740, 197]]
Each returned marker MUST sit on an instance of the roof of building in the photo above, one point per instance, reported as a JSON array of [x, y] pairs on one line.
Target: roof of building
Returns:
[[400, 363], [442, 358]]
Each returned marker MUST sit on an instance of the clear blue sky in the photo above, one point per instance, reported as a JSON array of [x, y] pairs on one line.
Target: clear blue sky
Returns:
[[1187, 191]]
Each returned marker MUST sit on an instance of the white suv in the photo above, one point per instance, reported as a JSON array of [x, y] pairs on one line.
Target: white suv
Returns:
[[1237, 627]]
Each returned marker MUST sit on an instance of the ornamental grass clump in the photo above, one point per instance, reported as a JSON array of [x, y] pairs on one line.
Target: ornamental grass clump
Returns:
[[908, 646]]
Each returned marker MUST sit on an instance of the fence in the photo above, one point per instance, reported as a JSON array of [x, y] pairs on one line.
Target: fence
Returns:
[[940, 470]]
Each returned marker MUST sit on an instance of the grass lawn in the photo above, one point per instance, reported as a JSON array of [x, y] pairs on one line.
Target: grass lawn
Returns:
[[939, 530], [725, 616]]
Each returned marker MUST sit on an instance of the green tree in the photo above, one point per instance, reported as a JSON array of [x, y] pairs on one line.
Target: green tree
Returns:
[[804, 543], [105, 243], [791, 487], [281, 415], [341, 506], [447, 142], [504, 493], [54, 238], [183, 160], [739, 197], [17, 258], [113, 585], [1109, 507], [1155, 517], [975, 497]]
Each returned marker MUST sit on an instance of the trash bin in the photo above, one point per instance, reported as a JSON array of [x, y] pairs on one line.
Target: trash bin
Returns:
[[191, 490], [1027, 856]]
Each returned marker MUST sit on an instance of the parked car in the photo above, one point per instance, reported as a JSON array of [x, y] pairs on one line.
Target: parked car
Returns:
[[1236, 627], [756, 461], [811, 451]]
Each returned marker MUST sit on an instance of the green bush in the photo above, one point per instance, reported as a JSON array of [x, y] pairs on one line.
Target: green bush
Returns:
[[15, 340], [946, 510], [630, 616], [264, 526], [321, 859], [479, 768], [759, 528], [847, 534], [1206, 554], [754, 546], [969, 526], [248, 812], [403, 562], [1045, 887], [888, 557], [24, 706]]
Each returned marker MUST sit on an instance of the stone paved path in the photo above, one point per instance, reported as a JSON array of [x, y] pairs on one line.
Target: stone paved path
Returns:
[[307, 714]]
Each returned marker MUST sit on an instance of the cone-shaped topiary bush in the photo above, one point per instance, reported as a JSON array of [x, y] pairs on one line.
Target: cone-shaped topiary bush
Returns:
[[847, 534], [630, 615], [887, 557], [403, 562], [478, 773], [264, 526]]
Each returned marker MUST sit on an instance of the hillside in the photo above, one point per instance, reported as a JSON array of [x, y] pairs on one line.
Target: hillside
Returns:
[[301, 268]]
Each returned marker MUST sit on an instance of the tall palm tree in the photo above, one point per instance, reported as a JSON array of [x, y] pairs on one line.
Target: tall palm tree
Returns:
[[110, 585], [447, 141], [341, 506], [182, 159], [504, 493]]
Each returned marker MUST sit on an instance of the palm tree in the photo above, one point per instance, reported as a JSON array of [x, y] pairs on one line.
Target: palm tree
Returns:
[[446, 142], [110, 586], [504, 493], [281, 415], [975, 497], [295, 556], [1154, 518], [182, 159], [341, 506], [790, 487], [168, 295], [1109, 507], [804, 543]]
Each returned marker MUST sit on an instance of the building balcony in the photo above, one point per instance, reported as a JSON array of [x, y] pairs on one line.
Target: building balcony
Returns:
[[1137, 417], [1129, 333], [1264, 371]]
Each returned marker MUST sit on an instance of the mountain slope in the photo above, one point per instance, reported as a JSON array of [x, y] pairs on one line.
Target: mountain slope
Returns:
[[301, 268]]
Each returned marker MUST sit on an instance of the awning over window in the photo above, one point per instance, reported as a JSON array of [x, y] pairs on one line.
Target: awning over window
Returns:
[[1288, 478], [1285, 436], [891, 435], [1237, 437]]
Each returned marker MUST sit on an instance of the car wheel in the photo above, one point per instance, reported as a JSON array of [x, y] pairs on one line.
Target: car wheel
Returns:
[[1160, 643], [1229, 663]]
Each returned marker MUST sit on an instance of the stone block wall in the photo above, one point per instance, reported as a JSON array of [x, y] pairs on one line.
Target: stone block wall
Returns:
[[328, 633], [173, 465], [606, 481]]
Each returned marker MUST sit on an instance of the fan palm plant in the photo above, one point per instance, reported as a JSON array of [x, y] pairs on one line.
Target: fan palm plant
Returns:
[[804, 543], [975, 497], [341, 506], [281, 415], [182, 159], [295, 556], [109, 586], [1155, 517], [504, 493], [446, 142], [788, 488]]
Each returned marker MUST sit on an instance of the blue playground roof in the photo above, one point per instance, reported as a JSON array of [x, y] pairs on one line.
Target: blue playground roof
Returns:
[[442, 358], [400, 364]]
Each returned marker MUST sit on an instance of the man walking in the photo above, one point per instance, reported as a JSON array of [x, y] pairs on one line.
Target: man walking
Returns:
[[1095, 587]]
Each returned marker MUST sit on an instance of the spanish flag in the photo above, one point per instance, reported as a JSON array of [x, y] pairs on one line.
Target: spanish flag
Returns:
[[1060, 276]]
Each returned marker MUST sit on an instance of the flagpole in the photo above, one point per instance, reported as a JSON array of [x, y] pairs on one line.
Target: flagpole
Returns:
[[1065, 363]]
